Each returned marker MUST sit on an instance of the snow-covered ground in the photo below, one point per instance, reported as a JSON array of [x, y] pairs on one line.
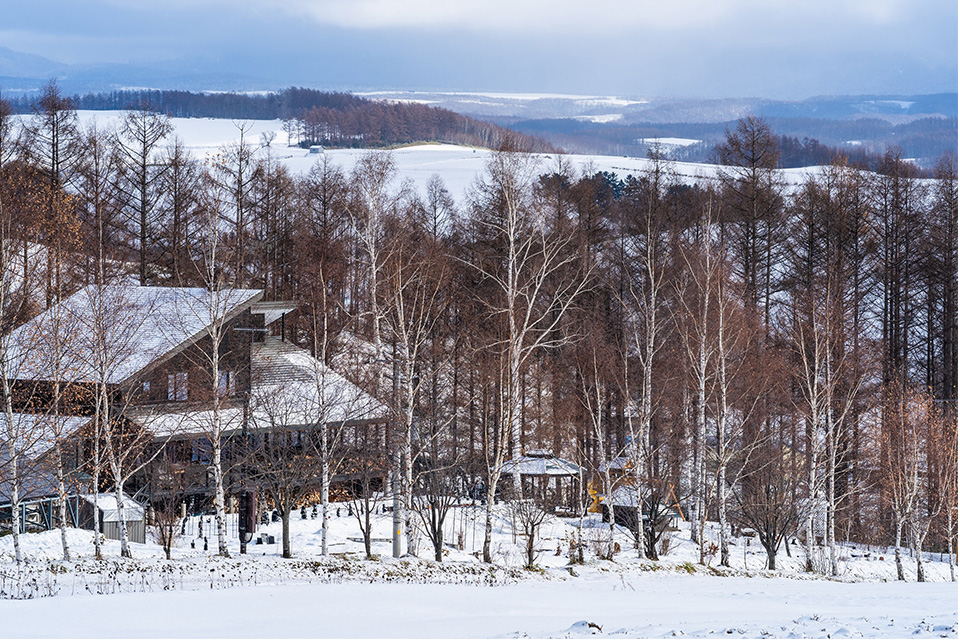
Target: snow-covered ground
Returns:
[[458, 166], [261, 594], [649, 606]]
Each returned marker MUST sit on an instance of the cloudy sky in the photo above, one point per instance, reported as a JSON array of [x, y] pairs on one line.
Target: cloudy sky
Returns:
[[690, 48]]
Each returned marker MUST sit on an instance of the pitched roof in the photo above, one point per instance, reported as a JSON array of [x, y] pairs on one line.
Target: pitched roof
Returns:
[[540, 464], [285, 382], [34, 434], [135, 325], [107, 504], [285, 386]]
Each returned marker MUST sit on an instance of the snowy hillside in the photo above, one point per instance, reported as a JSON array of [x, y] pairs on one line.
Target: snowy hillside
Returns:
[[458, 166]]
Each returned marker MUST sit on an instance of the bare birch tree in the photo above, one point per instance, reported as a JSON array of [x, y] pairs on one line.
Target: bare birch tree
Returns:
[[412, 313], [694, 318], [536, 284], [372, 201]]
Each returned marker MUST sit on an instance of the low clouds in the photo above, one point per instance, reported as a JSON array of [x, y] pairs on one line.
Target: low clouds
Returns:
[[577, 16], [768, 48], [559, 16], [511, 16]]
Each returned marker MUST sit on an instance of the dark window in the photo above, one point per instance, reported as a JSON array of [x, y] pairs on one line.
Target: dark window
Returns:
[[226, 384], [200, 451], [177, 386]]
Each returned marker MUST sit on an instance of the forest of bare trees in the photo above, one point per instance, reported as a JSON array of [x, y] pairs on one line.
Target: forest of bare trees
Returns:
[[776, 358], [310, 116]]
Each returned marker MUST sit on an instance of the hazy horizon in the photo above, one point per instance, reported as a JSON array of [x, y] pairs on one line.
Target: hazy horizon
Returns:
[[697, 49]]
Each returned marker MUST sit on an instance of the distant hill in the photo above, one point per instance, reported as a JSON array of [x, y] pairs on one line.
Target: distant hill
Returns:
[[25, 73], [922, 126]]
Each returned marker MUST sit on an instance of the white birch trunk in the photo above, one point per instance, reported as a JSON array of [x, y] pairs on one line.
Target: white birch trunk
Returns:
[[14, 445], [896, 550], [950, 544], [219, 499], [324, 505], [408, 524], [488, 526], [62, 501], [122, 518], [831, 446], [722, 435], [15, 507], [918, 550]]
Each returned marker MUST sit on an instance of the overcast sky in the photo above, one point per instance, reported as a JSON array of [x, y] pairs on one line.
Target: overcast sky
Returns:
[[647, 48]]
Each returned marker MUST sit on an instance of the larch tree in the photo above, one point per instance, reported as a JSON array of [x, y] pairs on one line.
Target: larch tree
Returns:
[[753, 199], [139, 135], [18, 435], [234, 174], [320, 295], [53, 145], [179, 208]]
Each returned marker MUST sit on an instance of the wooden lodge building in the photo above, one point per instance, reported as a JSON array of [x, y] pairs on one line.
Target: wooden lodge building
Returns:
[[151, 348]]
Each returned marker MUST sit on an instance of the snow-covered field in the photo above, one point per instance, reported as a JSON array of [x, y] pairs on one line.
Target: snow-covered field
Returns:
[[261, 594], [669, 142], [648, 606], [458, 166]]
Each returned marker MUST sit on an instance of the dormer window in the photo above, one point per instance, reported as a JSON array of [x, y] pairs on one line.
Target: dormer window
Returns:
[[177, 386]]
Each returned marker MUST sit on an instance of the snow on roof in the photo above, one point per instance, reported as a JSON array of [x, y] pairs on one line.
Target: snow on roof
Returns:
[[171, 419], [626, 496], [540, 465], [107, 504], [619, 463], [285, 381], [273, 310], [139, 325], [34, 433], [284, 392]]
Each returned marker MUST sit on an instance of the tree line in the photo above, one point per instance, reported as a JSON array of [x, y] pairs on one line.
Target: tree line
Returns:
[[804, 142], [312, 116], [773, 358]]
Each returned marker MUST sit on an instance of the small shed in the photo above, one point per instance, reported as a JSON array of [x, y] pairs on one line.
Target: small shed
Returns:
[[624, 503], [108, 514], [316, 149], [553, 481]]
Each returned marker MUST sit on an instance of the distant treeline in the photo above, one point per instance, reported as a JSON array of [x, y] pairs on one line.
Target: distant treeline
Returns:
[[803, 141], [315, 117], [809, 152]]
